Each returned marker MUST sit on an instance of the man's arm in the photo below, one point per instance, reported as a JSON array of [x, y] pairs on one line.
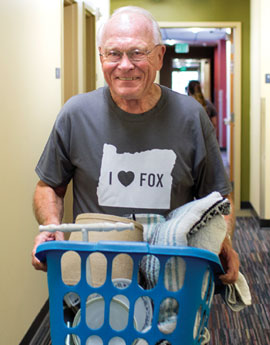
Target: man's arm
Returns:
[[48, 205], [228, 256]]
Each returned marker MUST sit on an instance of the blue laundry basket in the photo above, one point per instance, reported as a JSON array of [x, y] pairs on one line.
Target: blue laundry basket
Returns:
[[192, 300]]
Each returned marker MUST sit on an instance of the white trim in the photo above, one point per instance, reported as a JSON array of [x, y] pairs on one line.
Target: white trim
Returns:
[[90, 7]]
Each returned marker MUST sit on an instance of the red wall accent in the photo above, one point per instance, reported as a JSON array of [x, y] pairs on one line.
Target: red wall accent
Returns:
[[220, 87]]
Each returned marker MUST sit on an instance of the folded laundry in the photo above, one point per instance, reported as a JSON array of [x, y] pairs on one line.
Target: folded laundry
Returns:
[[200, 224], [237, 296]]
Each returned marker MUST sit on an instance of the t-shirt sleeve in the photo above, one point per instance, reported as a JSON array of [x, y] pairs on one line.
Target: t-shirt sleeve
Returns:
[[210, 174], [211, 109], [55, 167]]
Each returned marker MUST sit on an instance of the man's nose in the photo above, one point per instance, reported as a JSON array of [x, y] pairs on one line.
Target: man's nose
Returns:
[[125, 62]]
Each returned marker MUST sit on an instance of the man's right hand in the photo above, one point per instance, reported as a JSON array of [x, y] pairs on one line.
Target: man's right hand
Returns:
[[44, 237]]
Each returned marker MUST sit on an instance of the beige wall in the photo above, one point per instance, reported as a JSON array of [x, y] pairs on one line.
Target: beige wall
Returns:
[[260, 109], [30, 98]]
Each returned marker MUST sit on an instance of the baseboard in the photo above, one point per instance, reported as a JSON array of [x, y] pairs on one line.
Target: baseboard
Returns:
[[246, 205], [263, 223], [39, 331]]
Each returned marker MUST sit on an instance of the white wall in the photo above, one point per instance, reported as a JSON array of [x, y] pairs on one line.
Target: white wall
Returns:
[[259, 116]]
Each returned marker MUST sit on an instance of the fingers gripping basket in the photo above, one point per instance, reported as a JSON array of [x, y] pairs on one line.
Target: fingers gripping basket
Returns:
[[176, 317]]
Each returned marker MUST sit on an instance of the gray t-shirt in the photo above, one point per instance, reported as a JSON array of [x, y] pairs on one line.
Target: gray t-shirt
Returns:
[[125, 163], [210, 109]]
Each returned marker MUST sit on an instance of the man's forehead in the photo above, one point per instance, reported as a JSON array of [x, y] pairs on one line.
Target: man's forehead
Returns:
[[125, 27], [125, 42]]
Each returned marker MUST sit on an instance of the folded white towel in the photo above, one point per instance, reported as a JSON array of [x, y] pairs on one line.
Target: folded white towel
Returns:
[[237, 296]]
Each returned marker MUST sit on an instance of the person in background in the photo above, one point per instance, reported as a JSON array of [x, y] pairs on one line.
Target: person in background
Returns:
[[133, 146], [194, 89]]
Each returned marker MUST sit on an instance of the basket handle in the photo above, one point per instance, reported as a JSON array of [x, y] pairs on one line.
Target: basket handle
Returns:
[[84, 228]]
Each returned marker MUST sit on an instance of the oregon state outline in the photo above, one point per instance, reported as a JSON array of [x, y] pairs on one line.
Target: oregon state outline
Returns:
[[136, 180]]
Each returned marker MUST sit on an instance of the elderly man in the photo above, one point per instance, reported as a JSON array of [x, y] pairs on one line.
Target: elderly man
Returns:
[[133, 146]]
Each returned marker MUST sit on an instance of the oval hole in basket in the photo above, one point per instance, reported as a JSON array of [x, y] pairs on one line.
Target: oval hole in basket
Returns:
[[207, 287], [210, 294], [123, 299], [71, 305], [71, 268], [122, 266], [117, 341], [149, 271], [119, 313], [200, 323], [197, 323], [94, 340], [95, 308], [73, 339], [168, 310], [174, 275], [143, 313], [96, 269]]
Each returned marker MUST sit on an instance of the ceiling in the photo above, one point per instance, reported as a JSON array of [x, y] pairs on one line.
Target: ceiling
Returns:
[[194, 36]]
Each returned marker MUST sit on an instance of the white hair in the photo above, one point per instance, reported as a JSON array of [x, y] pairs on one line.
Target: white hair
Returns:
[[157, 38]]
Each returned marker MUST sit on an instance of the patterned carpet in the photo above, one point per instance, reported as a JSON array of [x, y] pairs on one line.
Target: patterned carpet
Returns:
[[250, 326]]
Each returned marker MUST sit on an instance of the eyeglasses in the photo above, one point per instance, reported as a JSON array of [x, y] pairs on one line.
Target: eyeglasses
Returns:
[[134, 55]]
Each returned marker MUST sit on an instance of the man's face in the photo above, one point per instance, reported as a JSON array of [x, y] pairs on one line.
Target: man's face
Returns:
[[128, 79]]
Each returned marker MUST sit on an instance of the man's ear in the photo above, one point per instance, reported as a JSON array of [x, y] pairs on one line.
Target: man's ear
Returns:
[[161, 53]]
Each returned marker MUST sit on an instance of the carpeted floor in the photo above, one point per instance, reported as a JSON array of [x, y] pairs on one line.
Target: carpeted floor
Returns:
[[250, 326]]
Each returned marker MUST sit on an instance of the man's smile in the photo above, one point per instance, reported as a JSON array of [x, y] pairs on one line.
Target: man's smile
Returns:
[[127, 78]]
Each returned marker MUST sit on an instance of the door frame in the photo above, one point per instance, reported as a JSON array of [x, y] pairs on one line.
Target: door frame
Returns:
[[70, 50], [237, 96], [89, 25]]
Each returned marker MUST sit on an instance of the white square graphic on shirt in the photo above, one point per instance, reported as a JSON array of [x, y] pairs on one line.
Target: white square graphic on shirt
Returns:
[[136, 180]]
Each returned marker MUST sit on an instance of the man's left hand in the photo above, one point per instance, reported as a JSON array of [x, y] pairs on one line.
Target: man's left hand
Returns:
[[230, 262]]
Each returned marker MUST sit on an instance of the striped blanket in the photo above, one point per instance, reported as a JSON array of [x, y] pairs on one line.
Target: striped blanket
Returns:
[[199, 223]]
